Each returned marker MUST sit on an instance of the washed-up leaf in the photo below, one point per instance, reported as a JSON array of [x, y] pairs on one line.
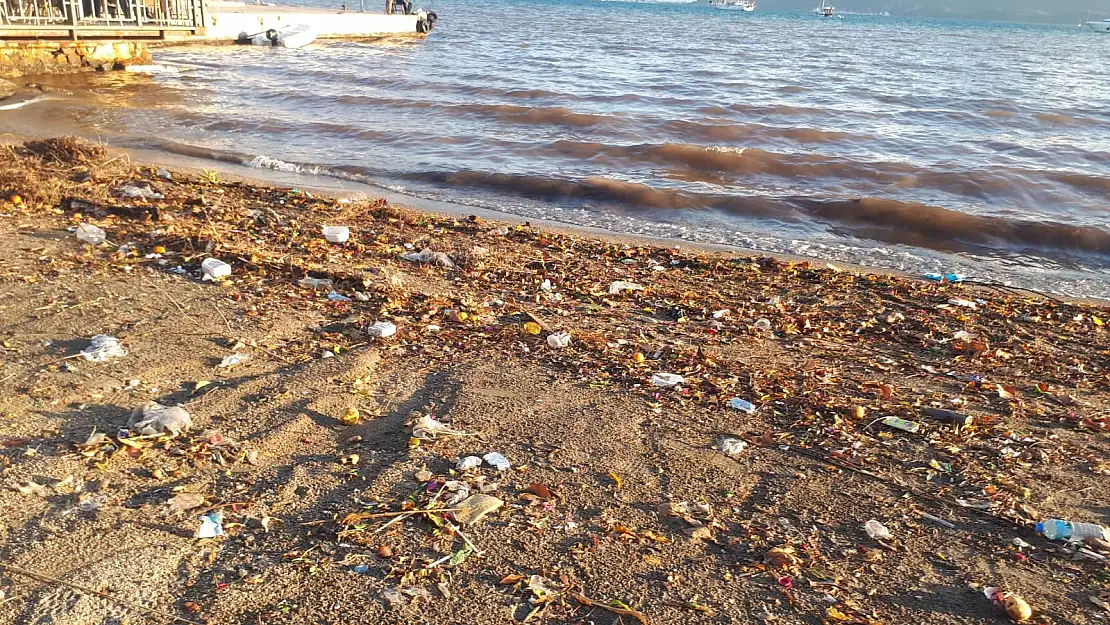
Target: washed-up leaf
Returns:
[[616, 479], [460, 556], [541, 491], [351, 417]]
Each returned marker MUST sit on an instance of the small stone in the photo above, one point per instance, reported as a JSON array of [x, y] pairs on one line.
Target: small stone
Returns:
[[475, 508], [423, 476]]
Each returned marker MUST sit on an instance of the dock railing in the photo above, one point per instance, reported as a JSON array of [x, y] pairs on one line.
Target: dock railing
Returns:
[[91, 18]]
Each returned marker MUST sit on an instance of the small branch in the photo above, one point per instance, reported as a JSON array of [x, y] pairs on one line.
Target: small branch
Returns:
[[590, 603], [359, 516]]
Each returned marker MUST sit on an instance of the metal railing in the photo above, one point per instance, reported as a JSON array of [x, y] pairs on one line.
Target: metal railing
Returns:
[[78, 15]]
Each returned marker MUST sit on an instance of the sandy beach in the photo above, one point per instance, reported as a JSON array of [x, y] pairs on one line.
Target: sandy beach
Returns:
[[685, 437]]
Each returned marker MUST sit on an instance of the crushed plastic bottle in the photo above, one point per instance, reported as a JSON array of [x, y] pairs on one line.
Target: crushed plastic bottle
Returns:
[[234, 360], [731, 447], [91, 234], [211, 525], [667, 380], [497, 461], [468, 463], [621, 286], [742, 405], [316, 283], [558, 340], [103, 348], [1071, 531], [381, 329], [430, 257], [877, 530], [945, 277], [215, 269], [762, 324], [153, 418], [337, 234]]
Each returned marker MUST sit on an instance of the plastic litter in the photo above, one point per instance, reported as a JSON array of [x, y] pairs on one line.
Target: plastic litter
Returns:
[[1072, 531], [558, 340], [762, 324], [941, 277], [338, 297], [234, 360], [381, 329], [211, 525], [456, 491], [947, 416], [91, 234], [428, 256], [337, 234], [427, 427], [742, 405], [667, 380], [153, 418], [877, 530], [901, 424], [621, 286], [316, 283], [1016, 608], [731, 447], [102, 348], [497, 461], [469, 462], [133, 191], [475, 508], [215, 269]]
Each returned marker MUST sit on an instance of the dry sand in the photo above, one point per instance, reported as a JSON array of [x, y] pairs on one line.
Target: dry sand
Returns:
[[269, 448]]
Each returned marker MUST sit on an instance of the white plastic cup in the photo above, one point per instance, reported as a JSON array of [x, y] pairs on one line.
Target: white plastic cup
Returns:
[[337, 234]]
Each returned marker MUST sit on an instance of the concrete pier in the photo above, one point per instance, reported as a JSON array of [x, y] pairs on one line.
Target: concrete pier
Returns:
[[51, 44], [226, 21]]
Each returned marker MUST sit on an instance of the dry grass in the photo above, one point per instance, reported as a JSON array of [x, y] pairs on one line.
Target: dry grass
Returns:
[[44, 172], [69, 151]]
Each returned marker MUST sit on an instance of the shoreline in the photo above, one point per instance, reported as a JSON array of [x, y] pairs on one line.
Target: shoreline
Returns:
[[354, 190]]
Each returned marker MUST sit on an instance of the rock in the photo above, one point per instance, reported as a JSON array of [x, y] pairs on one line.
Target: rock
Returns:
[[7, 88], [475, 508]]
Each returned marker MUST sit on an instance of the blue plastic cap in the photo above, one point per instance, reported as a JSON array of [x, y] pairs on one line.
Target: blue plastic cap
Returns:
[[1040, 528]]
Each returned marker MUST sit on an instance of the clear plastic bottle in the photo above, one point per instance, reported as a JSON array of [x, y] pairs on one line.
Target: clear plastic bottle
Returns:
[[90, 234], [1058, 529]]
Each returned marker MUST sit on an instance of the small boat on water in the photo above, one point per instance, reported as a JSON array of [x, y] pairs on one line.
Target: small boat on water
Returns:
[[736, 5], [1100, 27], [293, 36], [825, 10]]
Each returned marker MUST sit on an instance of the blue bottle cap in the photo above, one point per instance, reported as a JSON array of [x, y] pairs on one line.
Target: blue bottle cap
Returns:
[[1040, 528]]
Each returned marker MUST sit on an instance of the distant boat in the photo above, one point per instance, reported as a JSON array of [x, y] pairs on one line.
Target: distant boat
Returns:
[[824, 10], [736, 5], [1100, 27]]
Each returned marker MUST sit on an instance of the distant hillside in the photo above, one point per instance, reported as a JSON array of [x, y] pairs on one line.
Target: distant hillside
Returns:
[[1055, 11]]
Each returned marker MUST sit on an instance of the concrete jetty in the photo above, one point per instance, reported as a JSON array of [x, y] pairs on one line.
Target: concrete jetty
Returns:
[[226, 21], [61, 36]]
